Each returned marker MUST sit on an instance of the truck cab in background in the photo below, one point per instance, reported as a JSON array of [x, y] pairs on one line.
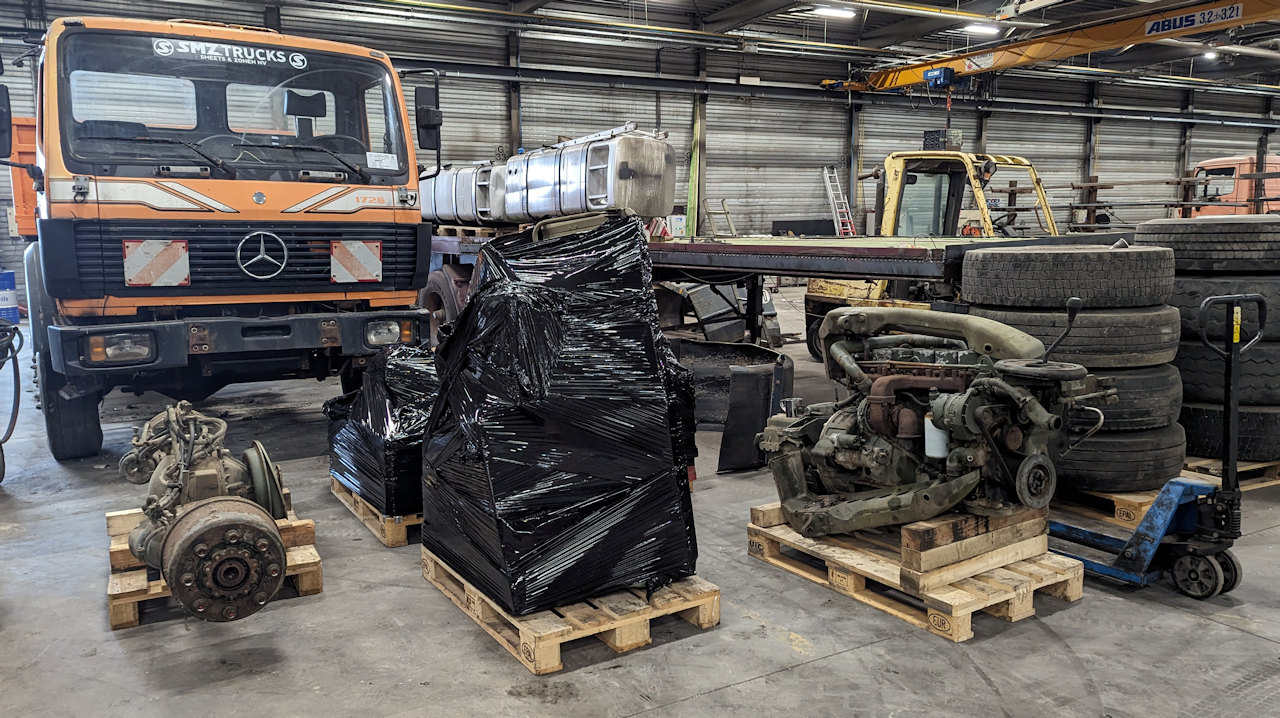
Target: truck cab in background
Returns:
[[215, 204], [1225, 189]]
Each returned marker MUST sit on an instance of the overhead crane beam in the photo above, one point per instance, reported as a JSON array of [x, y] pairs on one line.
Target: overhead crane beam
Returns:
[[1138, 29]]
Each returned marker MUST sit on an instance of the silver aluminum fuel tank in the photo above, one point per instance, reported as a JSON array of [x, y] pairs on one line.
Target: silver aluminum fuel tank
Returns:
[[635, 171], [467, 194]]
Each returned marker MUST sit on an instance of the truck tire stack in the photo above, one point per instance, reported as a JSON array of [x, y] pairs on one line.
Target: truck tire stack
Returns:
[[1124, 332], [1216, 256]]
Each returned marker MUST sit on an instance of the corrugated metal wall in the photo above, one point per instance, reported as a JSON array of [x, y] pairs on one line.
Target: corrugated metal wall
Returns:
[[1055, 145], [1136, 150], [766, 158]]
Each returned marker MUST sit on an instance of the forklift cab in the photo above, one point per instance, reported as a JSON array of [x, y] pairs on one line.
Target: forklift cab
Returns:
[[945, 194]]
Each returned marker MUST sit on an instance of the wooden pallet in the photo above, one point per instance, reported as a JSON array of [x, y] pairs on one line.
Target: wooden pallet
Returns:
[[1001, 582], [1253, 474], [392, 531], [129, 585], [619, 619], [1123, 508]]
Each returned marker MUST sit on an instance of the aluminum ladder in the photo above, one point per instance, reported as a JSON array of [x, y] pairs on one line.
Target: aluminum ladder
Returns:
[[841, 214], [722, 212]]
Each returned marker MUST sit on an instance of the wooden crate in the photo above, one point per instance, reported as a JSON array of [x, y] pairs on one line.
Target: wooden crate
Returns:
[[392, 531], [869, 567], [619, 619], [129, 585]]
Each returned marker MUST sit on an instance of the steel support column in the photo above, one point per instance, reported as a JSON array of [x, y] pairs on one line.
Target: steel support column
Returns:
[[1188, 131], [515, 118], [1260, 160]]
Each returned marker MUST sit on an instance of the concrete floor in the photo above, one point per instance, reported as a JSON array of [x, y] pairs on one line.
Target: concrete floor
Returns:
[[381, 641]]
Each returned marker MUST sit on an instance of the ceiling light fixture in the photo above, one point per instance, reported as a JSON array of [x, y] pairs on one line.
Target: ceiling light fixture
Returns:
[[982, 29], [834, 12], [1211, 55]]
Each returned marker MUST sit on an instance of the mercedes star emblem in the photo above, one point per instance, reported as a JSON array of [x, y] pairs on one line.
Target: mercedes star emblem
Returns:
[[270, 257]]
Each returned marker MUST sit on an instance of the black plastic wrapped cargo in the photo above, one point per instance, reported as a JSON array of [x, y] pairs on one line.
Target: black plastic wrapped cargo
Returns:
[[375, 433], [557, 461]]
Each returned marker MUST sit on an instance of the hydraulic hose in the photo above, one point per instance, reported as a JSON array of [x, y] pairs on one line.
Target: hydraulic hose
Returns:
[[11, 342], [1037, 413]]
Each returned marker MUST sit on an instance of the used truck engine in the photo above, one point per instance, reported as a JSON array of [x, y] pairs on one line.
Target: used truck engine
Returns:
[[950, 409]]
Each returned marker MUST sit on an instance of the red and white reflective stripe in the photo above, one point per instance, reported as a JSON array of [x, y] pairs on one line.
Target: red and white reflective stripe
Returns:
[[156, 263], [353, 260]]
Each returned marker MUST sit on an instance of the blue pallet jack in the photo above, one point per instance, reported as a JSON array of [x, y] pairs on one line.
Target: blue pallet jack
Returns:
[[1188, 531]]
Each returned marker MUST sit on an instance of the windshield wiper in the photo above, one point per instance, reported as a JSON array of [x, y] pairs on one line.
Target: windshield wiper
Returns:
[[355, 169], [213, 159]]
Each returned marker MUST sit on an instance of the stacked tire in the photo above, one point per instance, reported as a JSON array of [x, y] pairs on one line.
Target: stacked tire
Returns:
[[1215, 256], [1124, 333]]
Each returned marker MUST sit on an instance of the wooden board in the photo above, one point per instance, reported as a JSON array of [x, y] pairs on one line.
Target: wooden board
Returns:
[[619, 619], [447, 230], [857, 571], [129, 585], [392, 531], [1125, 509]]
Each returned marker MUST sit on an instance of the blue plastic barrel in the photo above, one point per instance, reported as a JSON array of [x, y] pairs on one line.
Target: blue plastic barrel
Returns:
[[8, 297]]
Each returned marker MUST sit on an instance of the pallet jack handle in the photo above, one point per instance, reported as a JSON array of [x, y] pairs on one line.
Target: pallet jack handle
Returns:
[[1231, 351]]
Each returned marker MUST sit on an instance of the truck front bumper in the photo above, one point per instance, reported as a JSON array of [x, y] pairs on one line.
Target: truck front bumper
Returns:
[[176, 343]]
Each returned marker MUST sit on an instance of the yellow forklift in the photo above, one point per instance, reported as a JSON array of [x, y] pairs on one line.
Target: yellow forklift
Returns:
[[937, 193]]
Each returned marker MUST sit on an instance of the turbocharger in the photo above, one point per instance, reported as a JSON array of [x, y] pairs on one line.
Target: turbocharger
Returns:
[[210, 524]]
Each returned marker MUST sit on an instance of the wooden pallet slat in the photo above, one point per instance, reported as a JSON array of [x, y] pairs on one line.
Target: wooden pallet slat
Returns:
[[1002, 582], [129, 586], [621, 619], [392, 531]]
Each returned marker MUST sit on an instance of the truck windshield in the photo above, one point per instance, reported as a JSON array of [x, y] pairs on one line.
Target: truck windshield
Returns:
[[140, 105]]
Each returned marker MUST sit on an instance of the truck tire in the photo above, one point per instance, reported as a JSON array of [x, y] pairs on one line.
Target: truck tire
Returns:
[[1146, 398], [1048, 276], [1102, 338], [73, 426], [1124, 460], [1190, 290], [1238, 243], [1258, 440], [812, 341], [438, 298], [1202, 373]]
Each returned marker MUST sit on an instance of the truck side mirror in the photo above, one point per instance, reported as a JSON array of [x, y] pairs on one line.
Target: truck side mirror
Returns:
[[427, 115], [6, 124]]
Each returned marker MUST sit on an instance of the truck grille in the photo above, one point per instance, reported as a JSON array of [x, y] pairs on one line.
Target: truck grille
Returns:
[[211, 249]]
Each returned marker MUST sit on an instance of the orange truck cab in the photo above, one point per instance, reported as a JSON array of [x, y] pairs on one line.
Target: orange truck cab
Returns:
[[215, 204], [1225, 191]]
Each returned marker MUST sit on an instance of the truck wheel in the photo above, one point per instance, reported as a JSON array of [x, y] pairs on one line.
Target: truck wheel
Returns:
[[1102, 338], [1146, 398], [1259, 426], [812, 341], [1190, 290], [438, 298], [1238, 243], [72, 425], [1048, 276], [1202, 373], [1124, 460]]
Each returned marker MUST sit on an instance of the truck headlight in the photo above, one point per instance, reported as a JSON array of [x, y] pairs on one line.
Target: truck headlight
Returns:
[[388, 331], [119, 348]]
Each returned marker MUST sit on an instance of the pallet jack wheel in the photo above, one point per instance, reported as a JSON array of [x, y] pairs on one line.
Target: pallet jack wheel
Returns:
[[1199, 577], [1231, 569]]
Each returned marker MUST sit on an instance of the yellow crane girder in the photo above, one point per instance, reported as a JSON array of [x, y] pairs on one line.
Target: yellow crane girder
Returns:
[[1109, 35]]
